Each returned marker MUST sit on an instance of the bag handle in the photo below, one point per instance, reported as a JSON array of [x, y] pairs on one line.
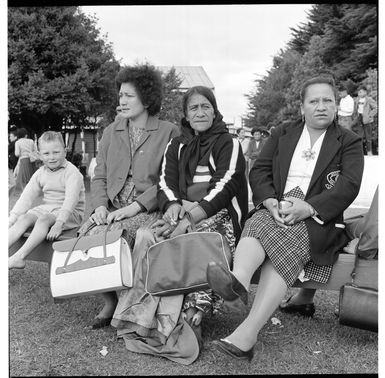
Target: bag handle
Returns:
[[82, 235], [353, 273]]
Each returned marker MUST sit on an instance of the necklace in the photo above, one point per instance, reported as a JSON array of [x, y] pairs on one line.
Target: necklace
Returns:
[[308, 154]]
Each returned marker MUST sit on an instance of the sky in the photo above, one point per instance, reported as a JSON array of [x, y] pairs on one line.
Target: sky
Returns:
[[235, 44]]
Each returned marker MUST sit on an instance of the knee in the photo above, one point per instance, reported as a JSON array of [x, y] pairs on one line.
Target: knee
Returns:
[[25, 220], [251, 244], [44, 220]]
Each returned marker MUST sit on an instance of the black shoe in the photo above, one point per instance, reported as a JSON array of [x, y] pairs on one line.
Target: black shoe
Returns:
[[230, 349], [222, 281], [307, 309], [101, 322]]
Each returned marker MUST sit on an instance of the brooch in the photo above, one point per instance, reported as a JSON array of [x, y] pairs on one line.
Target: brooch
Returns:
[[308, 154]]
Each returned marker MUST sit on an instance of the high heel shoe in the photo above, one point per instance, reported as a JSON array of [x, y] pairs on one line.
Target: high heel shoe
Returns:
[[230, 349], [222, 281]]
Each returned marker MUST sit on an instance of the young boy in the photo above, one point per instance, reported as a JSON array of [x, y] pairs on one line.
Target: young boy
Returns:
[[63, 203]]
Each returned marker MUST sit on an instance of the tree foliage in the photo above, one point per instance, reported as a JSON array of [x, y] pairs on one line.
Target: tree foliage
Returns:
[[60, 70], [172, 100], [338, 39]]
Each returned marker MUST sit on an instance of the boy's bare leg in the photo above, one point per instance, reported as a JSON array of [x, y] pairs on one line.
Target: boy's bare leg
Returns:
[[16, 231], [38, 234]]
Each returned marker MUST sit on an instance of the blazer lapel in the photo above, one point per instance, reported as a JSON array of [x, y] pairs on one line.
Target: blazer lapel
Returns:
[[122, 131], [286, 146], [329, 149], [151, 124]]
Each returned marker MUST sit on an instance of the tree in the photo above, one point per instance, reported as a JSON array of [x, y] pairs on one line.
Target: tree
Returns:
[[266, 103], [310, 65], [349, 37], [172, 100], [338, 40], [59, 69]]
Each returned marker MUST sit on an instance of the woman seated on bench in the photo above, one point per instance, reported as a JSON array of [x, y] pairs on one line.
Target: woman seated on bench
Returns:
[[317, 167], [123, 189], [363, 232], [62, 187], [202, 182]]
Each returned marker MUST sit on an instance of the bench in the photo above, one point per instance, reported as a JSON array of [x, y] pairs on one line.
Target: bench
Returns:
[[43, 252], [367, 270], [366, 274]]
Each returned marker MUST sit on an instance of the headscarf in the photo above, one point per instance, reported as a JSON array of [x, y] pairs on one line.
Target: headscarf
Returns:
[[197, 149]]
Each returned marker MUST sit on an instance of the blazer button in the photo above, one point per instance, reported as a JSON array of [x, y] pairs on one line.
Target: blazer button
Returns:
[[141, 152]]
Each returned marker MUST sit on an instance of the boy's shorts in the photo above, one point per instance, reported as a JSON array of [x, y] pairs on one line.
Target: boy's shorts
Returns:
[[74, 220]]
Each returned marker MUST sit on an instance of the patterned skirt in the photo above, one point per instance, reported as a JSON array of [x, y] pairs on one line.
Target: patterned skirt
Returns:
[[288, 249], [124, 198]]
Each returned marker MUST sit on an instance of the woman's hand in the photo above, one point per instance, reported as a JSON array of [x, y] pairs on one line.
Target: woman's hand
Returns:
[[174, 213], [299, 211], [271, 204], [125, 212], [100, 215], [181, 228], [162, 229]]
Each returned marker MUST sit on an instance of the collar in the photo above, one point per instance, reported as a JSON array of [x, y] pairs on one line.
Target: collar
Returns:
[[151, 124], [65, 162]]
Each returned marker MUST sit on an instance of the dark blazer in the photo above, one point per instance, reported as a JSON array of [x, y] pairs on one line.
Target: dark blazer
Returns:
[[369, 111], [253, 151], [114, 161], [334, 185]]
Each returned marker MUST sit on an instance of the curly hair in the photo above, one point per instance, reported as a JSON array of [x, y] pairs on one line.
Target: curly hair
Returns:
[[256, 129], [148, 83]]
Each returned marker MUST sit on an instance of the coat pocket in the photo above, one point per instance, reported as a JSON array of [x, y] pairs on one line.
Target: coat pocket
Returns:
[[326, 241]]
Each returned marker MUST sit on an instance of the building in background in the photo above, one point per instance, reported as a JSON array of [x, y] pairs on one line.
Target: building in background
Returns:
[[191, 76]]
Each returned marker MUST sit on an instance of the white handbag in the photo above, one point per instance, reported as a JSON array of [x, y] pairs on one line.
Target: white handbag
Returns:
[[91, 264]]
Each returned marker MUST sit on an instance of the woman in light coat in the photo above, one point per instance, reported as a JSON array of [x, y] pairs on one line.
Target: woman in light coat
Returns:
[[124, 187]]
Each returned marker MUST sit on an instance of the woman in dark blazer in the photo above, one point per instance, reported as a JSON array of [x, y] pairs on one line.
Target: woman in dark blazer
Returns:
[[316, 167], [124, 187]]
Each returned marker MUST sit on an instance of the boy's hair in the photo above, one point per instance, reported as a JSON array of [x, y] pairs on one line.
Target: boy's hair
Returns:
[[21, 132], [51, 136]]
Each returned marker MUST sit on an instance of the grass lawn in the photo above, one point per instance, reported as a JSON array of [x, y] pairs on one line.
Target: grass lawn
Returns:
[[48, 339]]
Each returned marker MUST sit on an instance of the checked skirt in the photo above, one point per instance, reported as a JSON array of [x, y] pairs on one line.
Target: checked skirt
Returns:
[[288, 249]]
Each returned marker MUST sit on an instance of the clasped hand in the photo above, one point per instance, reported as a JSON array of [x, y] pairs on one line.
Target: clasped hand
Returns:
[[299, 211], [173, 222], [163, 229]]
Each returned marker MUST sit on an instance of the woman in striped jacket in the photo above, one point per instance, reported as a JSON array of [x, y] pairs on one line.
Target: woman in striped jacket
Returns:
[[202, 182], [203, 166]]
